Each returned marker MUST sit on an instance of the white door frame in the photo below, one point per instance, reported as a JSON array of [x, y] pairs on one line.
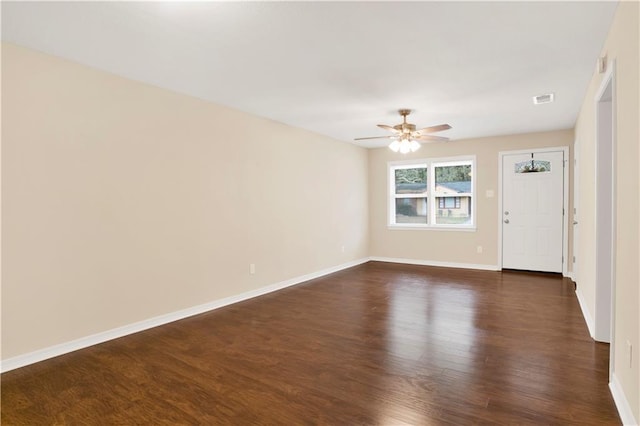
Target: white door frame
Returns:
[[605, 223], [575, 214], [565, 201]]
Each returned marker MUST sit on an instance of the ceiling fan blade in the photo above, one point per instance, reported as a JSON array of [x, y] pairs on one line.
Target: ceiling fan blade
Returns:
[[429, 138], [389, 128], [433, 129], [375, 137]]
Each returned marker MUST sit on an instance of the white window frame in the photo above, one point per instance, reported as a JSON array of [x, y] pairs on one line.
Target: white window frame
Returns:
[[430, 164]]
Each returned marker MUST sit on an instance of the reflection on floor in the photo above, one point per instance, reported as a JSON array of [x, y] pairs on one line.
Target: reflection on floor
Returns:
[[375, 344]]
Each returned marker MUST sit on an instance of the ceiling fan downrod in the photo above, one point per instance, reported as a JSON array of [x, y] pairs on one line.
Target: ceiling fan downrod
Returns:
[[405, 127]]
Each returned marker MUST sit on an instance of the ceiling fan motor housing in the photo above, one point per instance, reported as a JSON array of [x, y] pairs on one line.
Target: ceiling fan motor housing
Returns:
[[405, 127]]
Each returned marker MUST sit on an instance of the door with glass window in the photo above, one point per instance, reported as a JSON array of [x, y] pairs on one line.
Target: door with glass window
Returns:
[[532, 211]]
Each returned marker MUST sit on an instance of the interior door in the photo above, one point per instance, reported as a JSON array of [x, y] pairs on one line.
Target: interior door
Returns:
[[532, 216]]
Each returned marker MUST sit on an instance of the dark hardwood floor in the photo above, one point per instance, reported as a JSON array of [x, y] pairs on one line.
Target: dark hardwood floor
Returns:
[[380, 343]]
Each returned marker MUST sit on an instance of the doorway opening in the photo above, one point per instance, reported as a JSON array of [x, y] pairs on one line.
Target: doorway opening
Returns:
[[605, 211]]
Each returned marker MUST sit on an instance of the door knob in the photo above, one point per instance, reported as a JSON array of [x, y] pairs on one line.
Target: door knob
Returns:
[[575, 222], [506, 212], [506, 221]]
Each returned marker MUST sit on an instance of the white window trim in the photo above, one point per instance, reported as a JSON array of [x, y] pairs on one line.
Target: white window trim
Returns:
[[430, 164]]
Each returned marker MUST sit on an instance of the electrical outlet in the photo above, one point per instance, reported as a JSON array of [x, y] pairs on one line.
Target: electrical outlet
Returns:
[[342, 249], [479, 249], [252, 268]]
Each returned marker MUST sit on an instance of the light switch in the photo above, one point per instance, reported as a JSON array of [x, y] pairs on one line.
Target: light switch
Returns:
[[489, 193]]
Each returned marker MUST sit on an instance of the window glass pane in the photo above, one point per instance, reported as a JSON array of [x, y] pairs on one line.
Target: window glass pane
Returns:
[[453, 179], [411, 181], [533, 166], [411, 210], [453, 210]]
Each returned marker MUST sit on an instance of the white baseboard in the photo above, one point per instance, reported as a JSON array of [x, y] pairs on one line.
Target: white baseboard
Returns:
[[586, 314], [436, 263], [622, 404], [94, 339], [570, 275]]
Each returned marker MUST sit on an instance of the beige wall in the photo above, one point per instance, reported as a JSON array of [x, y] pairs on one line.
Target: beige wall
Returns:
[[621, 46], [450, 246], [122, 201]]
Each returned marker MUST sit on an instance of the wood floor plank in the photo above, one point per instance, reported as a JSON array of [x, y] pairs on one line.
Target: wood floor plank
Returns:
[[379, 343]]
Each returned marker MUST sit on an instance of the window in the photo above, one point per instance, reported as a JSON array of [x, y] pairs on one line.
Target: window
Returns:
[[432, 193]]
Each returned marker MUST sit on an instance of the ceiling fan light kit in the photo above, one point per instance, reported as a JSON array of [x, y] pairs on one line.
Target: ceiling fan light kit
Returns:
[[404, 146], [405, 138]]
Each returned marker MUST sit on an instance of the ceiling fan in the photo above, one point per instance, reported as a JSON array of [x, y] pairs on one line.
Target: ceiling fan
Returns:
[[405, 136]]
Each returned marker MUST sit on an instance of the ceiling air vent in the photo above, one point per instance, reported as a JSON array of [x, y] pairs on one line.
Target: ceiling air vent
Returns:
[[543, 99]]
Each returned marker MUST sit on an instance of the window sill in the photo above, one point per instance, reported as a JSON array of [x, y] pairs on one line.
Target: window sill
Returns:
[[431, 228]]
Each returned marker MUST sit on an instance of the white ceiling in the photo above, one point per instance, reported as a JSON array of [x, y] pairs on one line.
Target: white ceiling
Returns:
[[340, 68]]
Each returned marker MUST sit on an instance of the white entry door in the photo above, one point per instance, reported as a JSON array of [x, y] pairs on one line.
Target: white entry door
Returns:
[[532, 216]]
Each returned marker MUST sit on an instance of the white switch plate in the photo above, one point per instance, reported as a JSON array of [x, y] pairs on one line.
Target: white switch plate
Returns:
[[489, 193]]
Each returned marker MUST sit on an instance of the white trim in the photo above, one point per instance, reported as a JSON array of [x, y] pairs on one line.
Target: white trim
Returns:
[[585, 312], [622, 404], [570, 275], [605, 267], [614, 213], [575, 214], [534, 150], [409, 227], [606, 313], [429, 160], [94, 339], [501, 154], [565, 210], [434, 263], [606, 79], [565, 201]]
